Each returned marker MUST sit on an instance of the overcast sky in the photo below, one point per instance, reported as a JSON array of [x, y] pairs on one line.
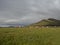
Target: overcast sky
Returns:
[[28, 11]]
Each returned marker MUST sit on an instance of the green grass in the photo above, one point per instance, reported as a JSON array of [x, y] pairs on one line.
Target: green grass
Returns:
[[30, 36]]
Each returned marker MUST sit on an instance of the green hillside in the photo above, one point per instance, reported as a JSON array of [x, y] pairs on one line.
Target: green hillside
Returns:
[[47, 22]]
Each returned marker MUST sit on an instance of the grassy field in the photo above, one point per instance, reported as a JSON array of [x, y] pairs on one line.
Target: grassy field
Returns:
[[30, 36]]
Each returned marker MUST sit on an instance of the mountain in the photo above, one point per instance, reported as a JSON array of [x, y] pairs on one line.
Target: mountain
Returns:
[[47, 22], [12, 25]]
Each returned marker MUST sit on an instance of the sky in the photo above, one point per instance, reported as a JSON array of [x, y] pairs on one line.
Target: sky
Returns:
[[28, 11]]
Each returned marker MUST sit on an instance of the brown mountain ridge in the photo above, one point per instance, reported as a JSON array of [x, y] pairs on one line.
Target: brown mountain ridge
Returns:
[[47, 22]]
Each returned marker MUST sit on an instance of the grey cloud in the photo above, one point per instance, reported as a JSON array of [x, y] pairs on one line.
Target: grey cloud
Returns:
[[28, 11]]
